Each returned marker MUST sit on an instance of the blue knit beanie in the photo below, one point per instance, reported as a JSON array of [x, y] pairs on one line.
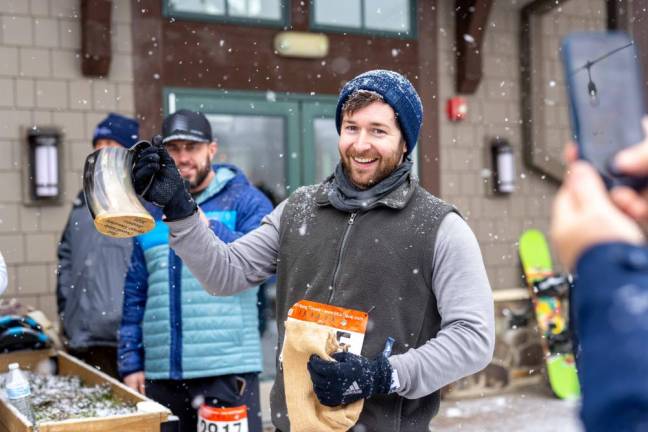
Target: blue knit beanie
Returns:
[[122, 129], [397, 92]]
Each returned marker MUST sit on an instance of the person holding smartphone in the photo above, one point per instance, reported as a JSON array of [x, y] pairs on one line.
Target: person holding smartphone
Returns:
[[600, 236]]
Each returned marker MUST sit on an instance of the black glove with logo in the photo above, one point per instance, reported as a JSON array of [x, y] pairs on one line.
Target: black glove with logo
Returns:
[[157, 179], [350, 378]]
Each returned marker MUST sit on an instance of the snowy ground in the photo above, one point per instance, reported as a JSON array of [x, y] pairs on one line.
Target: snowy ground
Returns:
[[531, 409], [528, 409]]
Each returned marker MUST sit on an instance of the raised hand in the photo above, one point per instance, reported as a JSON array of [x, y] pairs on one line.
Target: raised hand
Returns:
[[157, 179]]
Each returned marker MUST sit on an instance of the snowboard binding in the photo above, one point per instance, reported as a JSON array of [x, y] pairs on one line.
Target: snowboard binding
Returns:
[[559, 343], [553, 286]]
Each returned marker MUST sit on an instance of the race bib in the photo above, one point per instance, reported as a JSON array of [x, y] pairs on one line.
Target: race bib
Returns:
[[214, 419]]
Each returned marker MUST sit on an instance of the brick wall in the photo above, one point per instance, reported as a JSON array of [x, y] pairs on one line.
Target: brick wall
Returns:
[[41, 84]]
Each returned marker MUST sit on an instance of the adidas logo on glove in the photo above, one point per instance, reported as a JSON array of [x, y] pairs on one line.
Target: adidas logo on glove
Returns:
[[354, 388]]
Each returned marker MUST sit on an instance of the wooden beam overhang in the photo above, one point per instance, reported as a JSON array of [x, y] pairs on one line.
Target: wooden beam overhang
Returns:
[[96, 50], [471, 18]]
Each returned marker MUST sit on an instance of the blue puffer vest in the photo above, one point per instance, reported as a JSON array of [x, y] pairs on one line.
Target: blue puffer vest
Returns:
[[185, 332]]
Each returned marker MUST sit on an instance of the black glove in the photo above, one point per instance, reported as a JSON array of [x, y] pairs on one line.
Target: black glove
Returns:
[[146, 163], [159, 182], [350, 378]]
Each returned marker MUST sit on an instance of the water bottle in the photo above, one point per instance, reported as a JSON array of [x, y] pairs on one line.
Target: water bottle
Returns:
[[18, 391]]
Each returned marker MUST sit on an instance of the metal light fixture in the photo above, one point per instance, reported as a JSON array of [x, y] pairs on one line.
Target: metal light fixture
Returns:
[[43, 157], [503, 166], [301, 44]]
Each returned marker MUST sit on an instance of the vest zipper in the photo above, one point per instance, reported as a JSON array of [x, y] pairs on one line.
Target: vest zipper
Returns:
[[175, 315], [339, 258]]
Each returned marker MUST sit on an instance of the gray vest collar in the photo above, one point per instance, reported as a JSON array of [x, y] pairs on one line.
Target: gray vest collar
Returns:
[[397, 199]]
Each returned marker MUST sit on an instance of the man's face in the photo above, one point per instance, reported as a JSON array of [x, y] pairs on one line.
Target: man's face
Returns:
[[103, 143], [371, 145], [193, 159]]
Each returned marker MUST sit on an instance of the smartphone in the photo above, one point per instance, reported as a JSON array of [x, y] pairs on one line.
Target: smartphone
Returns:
[[605, 96]]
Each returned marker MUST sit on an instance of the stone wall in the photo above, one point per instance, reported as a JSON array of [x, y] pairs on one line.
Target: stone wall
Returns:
[[498, 221], [494, 110], [41, 84]]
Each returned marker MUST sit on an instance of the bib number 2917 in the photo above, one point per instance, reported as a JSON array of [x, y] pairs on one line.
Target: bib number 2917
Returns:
[[221, 419], [210, 426]]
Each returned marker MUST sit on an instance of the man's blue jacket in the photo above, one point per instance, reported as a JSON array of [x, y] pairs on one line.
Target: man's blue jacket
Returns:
[[173, 329], [610, 302]]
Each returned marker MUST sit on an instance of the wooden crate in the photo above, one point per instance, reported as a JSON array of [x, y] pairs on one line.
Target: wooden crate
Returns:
[[11, 420]]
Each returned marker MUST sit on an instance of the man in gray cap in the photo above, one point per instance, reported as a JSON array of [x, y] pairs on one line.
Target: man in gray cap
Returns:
[[368, 238], [177, 343]]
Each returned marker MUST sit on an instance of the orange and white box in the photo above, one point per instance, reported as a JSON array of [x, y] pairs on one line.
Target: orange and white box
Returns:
[[348, 325]]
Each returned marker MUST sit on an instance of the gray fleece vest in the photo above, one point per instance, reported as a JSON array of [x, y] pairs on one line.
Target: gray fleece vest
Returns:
[[378, 261]]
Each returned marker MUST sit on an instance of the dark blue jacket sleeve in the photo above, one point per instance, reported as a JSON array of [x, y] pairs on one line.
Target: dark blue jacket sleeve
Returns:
[[251, 207], [64, 272], [611, 320], [131, 350]]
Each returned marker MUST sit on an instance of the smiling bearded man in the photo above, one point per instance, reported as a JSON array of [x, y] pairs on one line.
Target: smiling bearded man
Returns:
[[367, 238]]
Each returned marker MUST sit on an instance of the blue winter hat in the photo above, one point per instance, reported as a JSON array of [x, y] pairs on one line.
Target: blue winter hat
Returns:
[[124, 130], [397, 92]]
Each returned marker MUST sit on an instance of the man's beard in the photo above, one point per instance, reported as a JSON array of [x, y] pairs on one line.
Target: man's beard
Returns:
[[201, 174], [385, 167]]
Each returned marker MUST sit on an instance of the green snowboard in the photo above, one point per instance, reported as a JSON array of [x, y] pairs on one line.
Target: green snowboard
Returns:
[[561, 367]]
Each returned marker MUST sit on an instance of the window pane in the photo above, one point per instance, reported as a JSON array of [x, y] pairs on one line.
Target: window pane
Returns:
[[390, 15], [255, 144], [326, 147], [341, 13], [210, 7], [265, 9]]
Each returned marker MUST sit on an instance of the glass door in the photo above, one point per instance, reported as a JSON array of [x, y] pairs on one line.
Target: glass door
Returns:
[[320, 140], [280, 141]]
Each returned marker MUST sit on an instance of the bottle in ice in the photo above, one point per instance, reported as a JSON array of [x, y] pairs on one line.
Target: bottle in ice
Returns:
[[18, 391]]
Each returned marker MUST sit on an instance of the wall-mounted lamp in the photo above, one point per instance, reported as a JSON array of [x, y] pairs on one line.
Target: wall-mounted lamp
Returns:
[[503, 164], [43, 159], [301, 44]]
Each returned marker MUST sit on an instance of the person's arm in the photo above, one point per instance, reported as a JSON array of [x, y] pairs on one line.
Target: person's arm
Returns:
[[130, 352], [606, 250], [3, 275], [226, 269], [64, 273], [610, 301], [632, 161], [465, 343]]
